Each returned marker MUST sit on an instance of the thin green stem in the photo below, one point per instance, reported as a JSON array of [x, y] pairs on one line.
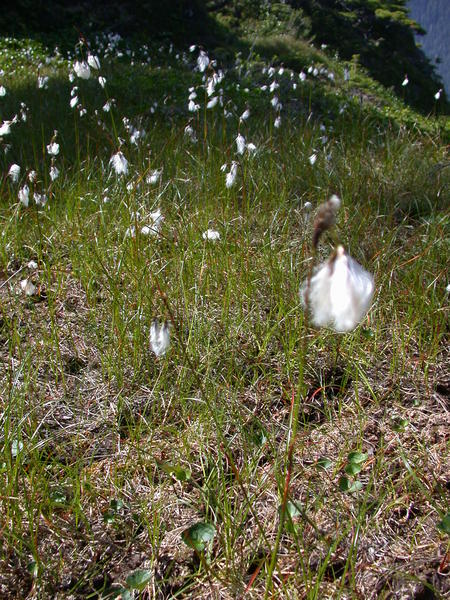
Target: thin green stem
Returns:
[[292, 434]]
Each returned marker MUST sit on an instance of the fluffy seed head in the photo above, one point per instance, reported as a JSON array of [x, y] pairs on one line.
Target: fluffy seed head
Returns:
[[14, 172], [119, 163], [159, 337], [339, 294]]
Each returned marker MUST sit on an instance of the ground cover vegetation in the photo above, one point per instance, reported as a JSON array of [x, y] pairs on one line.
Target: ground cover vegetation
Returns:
[[175, 422]]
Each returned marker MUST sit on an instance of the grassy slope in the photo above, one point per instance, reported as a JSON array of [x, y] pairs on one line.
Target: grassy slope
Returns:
[[92, 421]]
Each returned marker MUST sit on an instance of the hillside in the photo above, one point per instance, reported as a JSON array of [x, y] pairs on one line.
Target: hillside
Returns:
[[378, 33], [224, 307]]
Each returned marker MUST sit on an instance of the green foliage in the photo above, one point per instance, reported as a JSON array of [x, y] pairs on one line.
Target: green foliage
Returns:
[[345, 485], [324, 463], [265, 18], [383, 36], [354, 466], [379, 31], [357, 457], [444, 525], [180, 473], [138, 579], [197, 536]]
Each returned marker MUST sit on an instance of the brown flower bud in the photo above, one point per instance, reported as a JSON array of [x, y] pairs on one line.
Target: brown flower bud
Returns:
[[325, 218]]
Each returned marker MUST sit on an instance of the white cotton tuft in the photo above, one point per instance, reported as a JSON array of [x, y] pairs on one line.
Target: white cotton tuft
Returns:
[[275, 102], [119, 163], [202, 61], [245, 115], [190, 133], [42, 82], [335, 203], [154, 176], [82, 69], [211, 234], [340, 293], [5, 128], [14, 173], [24, 195], [231, 176], [159, 337], [156, 220], [53, 148], [40, 199], [211, 85], [212, 103], [54, 172], [93, 62], [273, 86], [192, 107], [27, 287], [240, 143]]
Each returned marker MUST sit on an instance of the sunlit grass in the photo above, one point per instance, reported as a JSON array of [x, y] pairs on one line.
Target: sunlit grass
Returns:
[[110, 453]]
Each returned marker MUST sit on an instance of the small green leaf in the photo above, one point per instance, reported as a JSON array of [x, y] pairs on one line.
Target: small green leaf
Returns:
[[16, 448], [198, 535], [260, 437], [115, 592], [291, 513], [346, 486], [444, 525], [58, 497], [116, 505], [355, 487], [257, 433], [353, 468], [357, 457], [368, 333], [178, 472], [292, 510], [400, 424], [109, 516], [138, 579], [324, 463], [32, 568]]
